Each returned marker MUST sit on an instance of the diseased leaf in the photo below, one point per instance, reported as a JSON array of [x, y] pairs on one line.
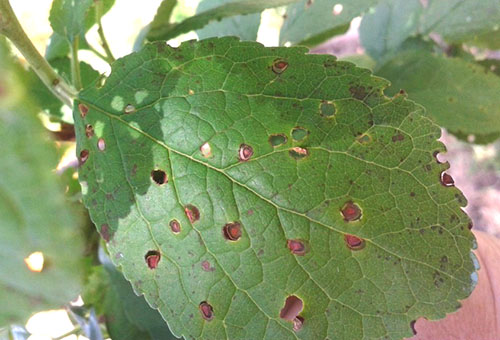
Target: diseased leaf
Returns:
[[34, 214], [460, 96], [311, 22], [200, 20], [127, 315], [233, 180], [243, 26]]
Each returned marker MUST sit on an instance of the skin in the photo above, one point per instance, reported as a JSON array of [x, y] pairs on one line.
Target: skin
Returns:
[[479, 317]]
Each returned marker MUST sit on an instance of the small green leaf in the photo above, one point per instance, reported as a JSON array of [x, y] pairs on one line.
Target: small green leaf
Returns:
[[218, 226], [70, 18], [166, 31], [243, 26], [311, 22], [460, 96], [34, 214]]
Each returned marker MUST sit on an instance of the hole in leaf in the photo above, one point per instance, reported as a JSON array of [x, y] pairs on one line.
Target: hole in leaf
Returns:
[[192, 213], [84, 155], [327, 109], [101, 144], [354, 242], [277, 140], [206, 150], [351, 212], [232, 231], [245, 152], [298, 153], [293, 307], [437, 156], [89, 131], [35, 261], [364, 139], [175, 226], [337, 9], [412, 325], [207, 312], [299, 133], [152, 258], [279, 66], [447, 180], [159, 176], [83, 110], [129, 109], [101, 81], [297, 323], [297, 247]]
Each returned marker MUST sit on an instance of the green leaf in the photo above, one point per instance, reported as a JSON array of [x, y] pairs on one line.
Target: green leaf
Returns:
[[68, 19], [34, 214], [312, 22], [385, 29], [127, 315], [458, 21], [225, 161], [243, 26], [459, 95], [168, 31]]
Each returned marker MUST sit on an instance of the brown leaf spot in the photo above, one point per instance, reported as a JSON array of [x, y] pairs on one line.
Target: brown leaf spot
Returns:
[[351, 212], [207, 312], [101, 144], [152, 258], [84, 155], [245, 152], [358, 92], [192, 213], [297, 247], [398, 138], [105, 232], [298, 153], [83, 110], [89, 131], [205, 265], [279, 66], [232, 231], [159, 176], [293, 307], [297, 323], [354, 242], [175, 226]]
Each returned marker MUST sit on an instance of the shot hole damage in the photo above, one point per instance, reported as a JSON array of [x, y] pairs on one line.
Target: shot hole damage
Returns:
[[291, 310], [245, 152], [351, 212], [206, 310], [298, 153], [84, 155], [364, 139], [299, 133], [296, 247], [232, 231], [206, 150], [277, 140], [447, 180], [101, 144], [327, 109], [129, 108], [192, 213], [83, 110], [152, 259], [175, 226], [89, 131], [279, 66], [159, 176], [354, 242]]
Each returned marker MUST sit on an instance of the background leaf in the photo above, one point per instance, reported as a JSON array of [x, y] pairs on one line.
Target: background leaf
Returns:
[[310, 22], [243, 26], [34, 214], [459, 95], [227, 177], [166, 31]]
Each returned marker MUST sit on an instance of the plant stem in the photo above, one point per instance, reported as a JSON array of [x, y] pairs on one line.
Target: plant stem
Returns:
[[11, 28], [100, 31], [76, 330], [75, 64]]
